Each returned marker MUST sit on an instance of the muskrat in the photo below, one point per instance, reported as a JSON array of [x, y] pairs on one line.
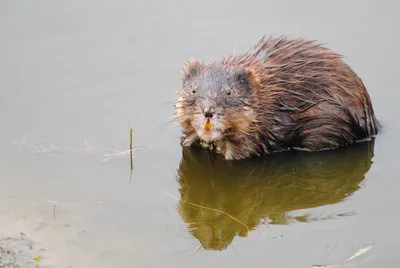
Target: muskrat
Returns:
[[282, 93]]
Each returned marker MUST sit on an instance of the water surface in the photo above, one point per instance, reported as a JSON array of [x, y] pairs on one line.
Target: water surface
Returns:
[[75, 75]]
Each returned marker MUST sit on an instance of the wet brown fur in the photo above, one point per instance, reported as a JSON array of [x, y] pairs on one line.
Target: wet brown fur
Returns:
[[302, 96]]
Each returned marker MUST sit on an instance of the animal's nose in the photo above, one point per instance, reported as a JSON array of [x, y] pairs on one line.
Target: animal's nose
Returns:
[[208, 114], [208, 110]]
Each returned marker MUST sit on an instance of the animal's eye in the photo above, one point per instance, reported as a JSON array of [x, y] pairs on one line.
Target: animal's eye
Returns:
[[228, 92], [194, 91]]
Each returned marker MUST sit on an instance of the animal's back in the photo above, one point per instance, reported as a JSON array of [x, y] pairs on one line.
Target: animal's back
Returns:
[[305, 96]]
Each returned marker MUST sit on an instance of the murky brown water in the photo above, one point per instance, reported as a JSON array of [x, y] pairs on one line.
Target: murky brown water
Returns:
[[75, 75]]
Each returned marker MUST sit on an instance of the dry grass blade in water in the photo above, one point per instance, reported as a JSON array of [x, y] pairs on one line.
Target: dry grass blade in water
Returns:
[[325, 266], [130, 152], [213, 209], [38, 143], [361, 251], [358, 253]]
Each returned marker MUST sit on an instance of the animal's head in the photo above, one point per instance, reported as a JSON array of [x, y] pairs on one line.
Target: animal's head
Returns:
[[214, 99]]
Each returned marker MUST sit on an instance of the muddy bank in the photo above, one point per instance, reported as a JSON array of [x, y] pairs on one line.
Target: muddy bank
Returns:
[[18, 252]]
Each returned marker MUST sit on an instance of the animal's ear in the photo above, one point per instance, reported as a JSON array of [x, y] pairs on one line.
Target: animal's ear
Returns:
[[247, 77], [191, 69]]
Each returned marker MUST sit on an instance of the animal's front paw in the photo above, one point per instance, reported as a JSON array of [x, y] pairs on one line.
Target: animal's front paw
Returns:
[[188, 140], [226, 149], [205, 145], [229, 155]]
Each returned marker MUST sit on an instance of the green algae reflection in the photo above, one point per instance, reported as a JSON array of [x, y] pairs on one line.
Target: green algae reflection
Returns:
[[221, 199]]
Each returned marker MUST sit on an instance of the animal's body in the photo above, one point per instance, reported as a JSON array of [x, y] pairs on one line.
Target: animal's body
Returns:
[[280, 94]]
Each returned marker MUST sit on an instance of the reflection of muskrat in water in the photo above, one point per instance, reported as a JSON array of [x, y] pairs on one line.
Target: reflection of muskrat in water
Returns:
[[264, 189], [281, 94]]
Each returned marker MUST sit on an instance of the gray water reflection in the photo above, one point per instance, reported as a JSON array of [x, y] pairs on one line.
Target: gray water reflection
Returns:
[[221, 199]]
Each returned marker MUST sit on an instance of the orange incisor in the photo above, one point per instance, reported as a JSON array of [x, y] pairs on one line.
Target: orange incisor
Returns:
[[207, 126]]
